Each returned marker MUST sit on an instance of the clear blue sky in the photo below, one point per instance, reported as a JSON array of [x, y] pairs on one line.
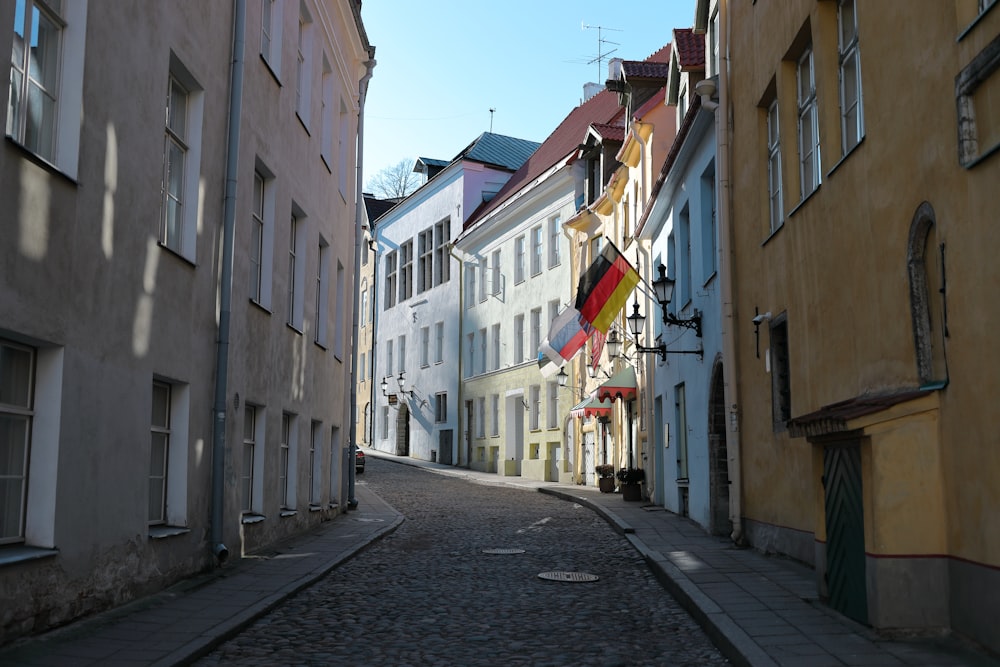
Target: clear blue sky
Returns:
[[443, 64]]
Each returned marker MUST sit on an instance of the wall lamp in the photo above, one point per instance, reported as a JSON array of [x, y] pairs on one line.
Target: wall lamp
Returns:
[[401, 381], [664, 289], [636, 322], [385, 386], [593, 370]]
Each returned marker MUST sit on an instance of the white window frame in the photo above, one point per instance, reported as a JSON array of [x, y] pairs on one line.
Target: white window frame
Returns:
[[389, 272], [534, 407], [322, 291], [536, 330], [495, 415], [315, 462], [64, 90], [388, 357], [270, 35], [482, 279], [482, 351], [262, 238], [339, 311], [519, 338], [555, 232], [296, 268], [327, 111], [519, 260], [159, 455], [536, 250], [441, 407], [552, 409], [495, 275], [852, 122], [405, 270], [304, 65], [495, 356], [252, 462], [284, 454], [425, 344], [810, 177], [775, 199], [480, 416], [22, 385], [425, 260], [470, 284], [439, 342], [442, 267], [401, 353]]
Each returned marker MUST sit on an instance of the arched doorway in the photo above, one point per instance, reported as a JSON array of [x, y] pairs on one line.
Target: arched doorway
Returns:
[[718, 457], [403, 430]]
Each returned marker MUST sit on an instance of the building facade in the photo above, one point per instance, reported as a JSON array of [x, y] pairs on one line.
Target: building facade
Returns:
[[179, 193], [417, 322], [863, 254]]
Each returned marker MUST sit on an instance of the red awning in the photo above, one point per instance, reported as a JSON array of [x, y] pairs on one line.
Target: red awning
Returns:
[[591, 407], [620, 385]]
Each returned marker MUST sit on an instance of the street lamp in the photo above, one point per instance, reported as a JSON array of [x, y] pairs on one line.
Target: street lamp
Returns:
[[562, 377], [385, 386], [664, 289]]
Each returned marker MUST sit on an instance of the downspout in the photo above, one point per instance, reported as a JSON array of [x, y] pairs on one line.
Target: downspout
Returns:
[[226, 285], [359, 239], [729, 313]]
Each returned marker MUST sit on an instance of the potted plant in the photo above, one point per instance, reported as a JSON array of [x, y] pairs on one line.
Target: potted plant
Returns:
[[631, 480], [605, 477]]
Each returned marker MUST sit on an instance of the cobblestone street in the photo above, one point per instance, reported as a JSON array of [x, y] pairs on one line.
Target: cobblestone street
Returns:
[[429, 595]]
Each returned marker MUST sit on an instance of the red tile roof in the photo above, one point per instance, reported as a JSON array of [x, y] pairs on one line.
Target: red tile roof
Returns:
[[601, 108], [610, 131], [637, 69], [690, 49]]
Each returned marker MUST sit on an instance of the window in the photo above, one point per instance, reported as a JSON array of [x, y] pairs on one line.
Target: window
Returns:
[[17, 369], [425, 344], [519, 260], [680, 420], [322, 288], [774, 168], [495, 278], [338, 313], [682, 103], [470, 284], [552, 409], [439, 342], [480, 417], [553, 310], [808, 124], [405, 270], [554, 233], [482, 350], [495, 365], [708, 224], [248, 478], [261, 239], [470, 354], [390, 280], [34, 72], [283, 450], [296, 270], [327, 111], [713, 45], [167, 502], [270, 34], [158, 453], [174, 155], [441, 407], [684, 254], [425, 261], [851, 116], [495, 414], [518, 339], [303, 65], [364, 304], [482, 279], [536, 331], [362, 369], [388, 357], [534, 406], [402, 354], [536, 250], [315, 460], [385, 422], [441, 239], [781, 393]]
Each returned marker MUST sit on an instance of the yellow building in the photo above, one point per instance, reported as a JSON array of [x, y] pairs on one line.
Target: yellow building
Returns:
[[863, 143]]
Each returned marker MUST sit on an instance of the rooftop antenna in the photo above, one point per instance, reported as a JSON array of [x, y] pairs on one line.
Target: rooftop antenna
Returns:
[[491, 119], [602, 55]]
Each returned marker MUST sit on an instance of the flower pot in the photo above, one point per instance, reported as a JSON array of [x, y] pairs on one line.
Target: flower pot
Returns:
[[631, 492], [606, 484]]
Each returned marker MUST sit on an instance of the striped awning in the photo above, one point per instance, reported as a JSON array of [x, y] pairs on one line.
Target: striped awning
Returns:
[[591, 407], [621, 385]]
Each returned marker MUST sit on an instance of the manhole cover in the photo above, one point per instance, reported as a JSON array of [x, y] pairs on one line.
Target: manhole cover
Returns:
[[574, 577], [503, 551]]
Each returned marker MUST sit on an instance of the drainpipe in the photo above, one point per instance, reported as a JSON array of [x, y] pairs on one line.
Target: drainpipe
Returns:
[[359, 239], [461, 383], [226, 285], [729, 311]]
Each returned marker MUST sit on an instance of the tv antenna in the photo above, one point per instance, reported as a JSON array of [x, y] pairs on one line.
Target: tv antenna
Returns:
[[602, 55]]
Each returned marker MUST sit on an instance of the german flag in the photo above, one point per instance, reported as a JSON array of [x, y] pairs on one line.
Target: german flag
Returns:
[[604, 288]]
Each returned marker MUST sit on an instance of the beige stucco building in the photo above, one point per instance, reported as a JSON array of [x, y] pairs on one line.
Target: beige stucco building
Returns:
[[178, 188], [863, 201]]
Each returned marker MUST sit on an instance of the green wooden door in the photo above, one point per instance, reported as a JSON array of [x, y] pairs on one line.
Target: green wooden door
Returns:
[[845, 531]]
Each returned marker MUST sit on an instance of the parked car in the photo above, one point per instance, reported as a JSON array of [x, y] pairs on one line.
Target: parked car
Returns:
[[359, 461]]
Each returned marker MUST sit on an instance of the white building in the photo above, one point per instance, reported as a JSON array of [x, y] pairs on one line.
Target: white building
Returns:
[[417, 324]]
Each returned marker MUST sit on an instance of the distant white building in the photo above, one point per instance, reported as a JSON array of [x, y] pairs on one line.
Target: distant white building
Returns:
[[417, 328]]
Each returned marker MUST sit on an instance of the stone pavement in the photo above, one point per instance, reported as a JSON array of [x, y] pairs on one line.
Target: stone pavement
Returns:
[[759, 610]]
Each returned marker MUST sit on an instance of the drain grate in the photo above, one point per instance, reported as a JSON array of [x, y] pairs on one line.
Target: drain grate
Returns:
[[572, 577], [503, 551]]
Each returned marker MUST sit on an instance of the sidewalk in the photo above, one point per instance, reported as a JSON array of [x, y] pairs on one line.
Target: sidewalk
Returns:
[[759, 610], [188, 620]]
